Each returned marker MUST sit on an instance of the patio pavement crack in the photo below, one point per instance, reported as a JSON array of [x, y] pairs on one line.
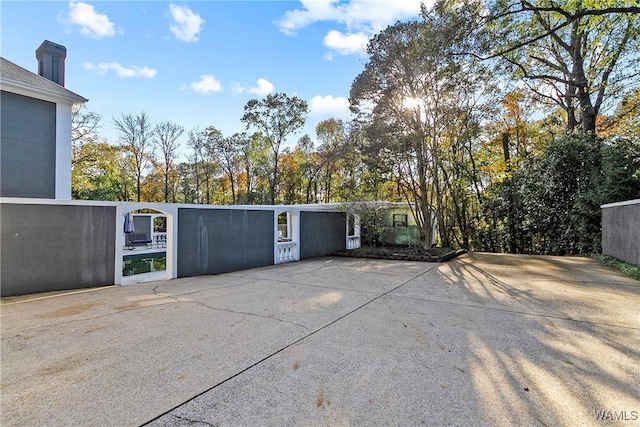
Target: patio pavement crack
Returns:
[[190, 421], [246, 313]]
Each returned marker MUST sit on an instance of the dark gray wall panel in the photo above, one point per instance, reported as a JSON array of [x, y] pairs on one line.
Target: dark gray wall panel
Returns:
[[142, 224], [322, 233], [51, 247], [222, 240], [621, 232], [27, 147]]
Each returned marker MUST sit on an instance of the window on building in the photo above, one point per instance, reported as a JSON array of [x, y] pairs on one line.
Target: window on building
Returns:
[[399, 220]]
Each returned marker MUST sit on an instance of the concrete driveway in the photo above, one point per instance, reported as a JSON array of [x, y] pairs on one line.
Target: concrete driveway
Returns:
[[484, 339]]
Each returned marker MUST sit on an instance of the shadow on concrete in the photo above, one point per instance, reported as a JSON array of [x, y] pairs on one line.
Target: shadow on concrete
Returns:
[[574, 349]]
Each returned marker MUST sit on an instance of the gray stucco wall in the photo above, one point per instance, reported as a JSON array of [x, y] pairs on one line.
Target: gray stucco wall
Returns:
[[322, 233], [28, 147], [56, 247], [222, 240], [621, 232]]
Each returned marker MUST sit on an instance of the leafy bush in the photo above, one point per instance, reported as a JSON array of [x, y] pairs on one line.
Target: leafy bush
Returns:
[[372, 221], [554, 200]]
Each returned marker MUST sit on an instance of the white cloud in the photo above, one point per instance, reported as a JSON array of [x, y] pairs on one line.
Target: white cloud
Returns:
[[121, 71], [206, 84], [186, 24], [346, 44], [264, 87], [357, 15], [91, 23], [329, 106], [362, 19], [313, 11]]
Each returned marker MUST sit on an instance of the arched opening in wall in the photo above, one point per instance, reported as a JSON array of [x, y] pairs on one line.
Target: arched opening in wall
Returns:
[[144, 254], [287, 239], [353, 231], [284, 227]]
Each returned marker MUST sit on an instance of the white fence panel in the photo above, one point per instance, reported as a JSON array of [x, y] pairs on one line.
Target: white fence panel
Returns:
[[287, 252], [353, 242], [159, 240]]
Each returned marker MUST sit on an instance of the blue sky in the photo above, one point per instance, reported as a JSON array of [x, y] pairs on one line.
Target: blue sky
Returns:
[[198, 63]]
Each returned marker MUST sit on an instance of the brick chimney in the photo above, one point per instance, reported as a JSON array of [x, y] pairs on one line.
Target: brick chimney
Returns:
[[51, 58]]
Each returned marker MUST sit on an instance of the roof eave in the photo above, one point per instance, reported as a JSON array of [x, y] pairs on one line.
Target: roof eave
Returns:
[[25, 89]]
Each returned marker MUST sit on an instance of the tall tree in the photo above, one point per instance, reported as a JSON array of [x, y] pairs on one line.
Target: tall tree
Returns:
[[226, 151], [202, 161], [103, 174], [290, 177], [310, 166], [166, 139], [276, 116], [136, 136], [84, 129], [414, 96], [186, 185], [331, 135], [378, 94], [86, 151], [575, 54]]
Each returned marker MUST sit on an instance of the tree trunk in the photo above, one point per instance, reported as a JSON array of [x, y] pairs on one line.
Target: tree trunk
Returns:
[[273, 181], [233, 190], [166, 186], [510, 221]]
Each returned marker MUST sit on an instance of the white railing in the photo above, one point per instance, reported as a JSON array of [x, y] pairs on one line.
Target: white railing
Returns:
[[353, 242], [159, 240], [287, 252]]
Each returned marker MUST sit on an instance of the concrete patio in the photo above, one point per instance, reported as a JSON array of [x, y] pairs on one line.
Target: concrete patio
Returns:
[[484, 339]]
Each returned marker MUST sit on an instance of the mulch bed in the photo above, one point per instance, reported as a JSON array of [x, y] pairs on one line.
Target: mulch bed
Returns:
[[404, 253]]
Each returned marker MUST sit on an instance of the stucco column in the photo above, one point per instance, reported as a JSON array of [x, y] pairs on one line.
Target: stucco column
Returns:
[[63, 151]]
